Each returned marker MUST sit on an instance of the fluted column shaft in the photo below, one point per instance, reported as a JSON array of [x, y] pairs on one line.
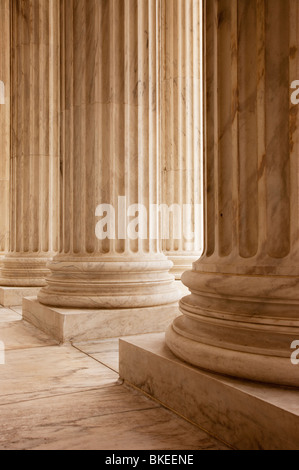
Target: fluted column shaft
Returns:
[[34, 165], [181, 132], [4, 122], [110, 148], [243, 311]]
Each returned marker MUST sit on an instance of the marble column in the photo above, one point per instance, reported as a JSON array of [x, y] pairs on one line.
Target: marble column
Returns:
[[34, 163], [181, 132], [4, 123], [243, 312], [111, 149]]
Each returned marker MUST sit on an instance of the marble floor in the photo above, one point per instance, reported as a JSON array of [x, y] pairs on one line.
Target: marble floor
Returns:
[[70, 397]]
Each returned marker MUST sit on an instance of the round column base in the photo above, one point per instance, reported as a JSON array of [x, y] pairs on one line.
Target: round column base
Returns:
[[229, 362], [23, 271], [239, 325], [109, 284]]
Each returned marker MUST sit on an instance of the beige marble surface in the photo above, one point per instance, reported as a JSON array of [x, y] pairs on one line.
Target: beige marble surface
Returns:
[[38, 372], [13, 296], [246, 415], [23, 335], [85, 324], [17, 309], [105, 351], [106, 419], [8, 315], [57, 397]]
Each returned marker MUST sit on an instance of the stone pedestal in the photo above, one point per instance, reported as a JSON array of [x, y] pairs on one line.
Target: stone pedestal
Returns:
[[34, 159], [243, 414], [86, 324], [13, 296]]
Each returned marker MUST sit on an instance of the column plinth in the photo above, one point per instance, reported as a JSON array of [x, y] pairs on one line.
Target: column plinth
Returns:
[[243, 312]]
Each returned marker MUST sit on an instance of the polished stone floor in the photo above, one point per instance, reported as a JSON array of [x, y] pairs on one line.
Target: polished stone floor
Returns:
[[70, 397]]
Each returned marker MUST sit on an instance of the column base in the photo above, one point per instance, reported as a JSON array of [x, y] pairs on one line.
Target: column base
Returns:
[[109, 283], [225, 359], [13, 296], [241, 325], [246, 415], [19, 270], [76, 325]]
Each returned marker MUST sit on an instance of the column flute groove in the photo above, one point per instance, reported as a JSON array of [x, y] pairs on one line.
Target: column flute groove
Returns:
[[181, 132]]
